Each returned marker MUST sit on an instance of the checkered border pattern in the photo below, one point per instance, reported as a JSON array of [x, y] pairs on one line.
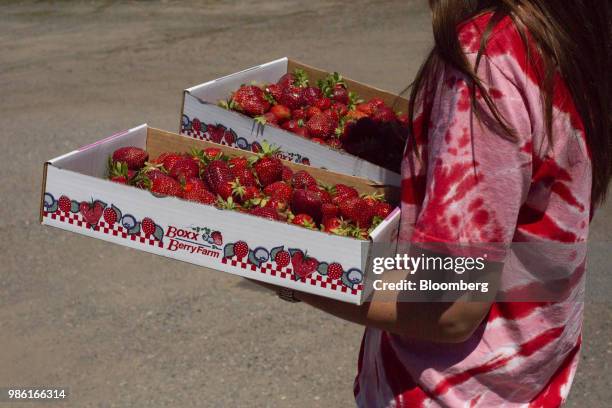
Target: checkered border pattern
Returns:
[[102, 226], [287, 273], [202, 136]]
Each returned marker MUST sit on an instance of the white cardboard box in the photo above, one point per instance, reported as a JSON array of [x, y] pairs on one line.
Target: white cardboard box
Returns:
[[201, 102], [200, 234]]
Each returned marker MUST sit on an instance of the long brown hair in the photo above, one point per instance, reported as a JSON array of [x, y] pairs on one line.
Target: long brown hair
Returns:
[[572, 38]]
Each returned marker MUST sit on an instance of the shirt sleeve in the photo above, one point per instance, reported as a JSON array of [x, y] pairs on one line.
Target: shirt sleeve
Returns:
[[476, 178]]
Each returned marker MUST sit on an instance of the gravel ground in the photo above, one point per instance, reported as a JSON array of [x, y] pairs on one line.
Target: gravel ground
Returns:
[[125, 328]]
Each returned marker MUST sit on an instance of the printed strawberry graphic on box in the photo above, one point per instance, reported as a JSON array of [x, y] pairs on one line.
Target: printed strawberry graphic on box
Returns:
[[92, 211], [303, 265], [112, 214]]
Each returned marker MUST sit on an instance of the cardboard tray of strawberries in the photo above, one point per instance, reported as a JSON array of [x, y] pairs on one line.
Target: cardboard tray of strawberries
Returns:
[[248, 214], [313, 116]]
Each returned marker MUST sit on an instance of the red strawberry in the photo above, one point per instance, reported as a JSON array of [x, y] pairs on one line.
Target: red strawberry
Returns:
[[168, 160], [403, 119], [356, 114], [265, 212], [377, 102], [292, 125], [91, 212], [195, 190], [244, 175], [334, 143], [357, 210], [302, 131], [212, 153], [215, 133], [298, 113], [110, 215], [282, 258], [185, 168], [367, 107], [286, 80], [317, 140], [166, 185], [340, 94], [384, 114], [291, 97], [334, 270], [148, 226], [311, 111], [323, 103], [303, 265], [250, 100], [321, 126], [238, 162], [323, 194], [274, 91], [287, 173], [335, 226], [217, 173], [342, 192], [278, 204], [267, 118], [280, 190], [217, 237], [311, 94], [382, 209], [281, 112], [302, 179], [339, 108], [268, 167], [225, 189], [304, 220], [298, 78], [329, 210], [64, 204], [241, 249], [230, 137], [133, 156], [307, 202]]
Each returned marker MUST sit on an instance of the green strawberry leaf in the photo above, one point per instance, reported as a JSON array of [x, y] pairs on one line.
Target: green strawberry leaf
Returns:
[[135, 229], [117, 211], [322, 269], [275, 251], [74, 206], [228, 251], [53, 207], [159, 233]]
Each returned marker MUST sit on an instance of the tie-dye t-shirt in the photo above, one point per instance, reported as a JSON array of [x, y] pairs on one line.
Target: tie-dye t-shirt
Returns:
[[475, 185]]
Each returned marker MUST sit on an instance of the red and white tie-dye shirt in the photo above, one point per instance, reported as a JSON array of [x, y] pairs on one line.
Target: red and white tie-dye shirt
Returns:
[[474, 185]]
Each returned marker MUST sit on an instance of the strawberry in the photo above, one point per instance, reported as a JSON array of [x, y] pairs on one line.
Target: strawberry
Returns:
[[64, 204], [195, 190], [280, 190], [215, 133], [212, 153], [287, 173], [286, 80], [282, 259], [306, 202], [242, 193], [244, 175], [281, 112], [291, 97], [321, 126], [241, 249], [146, 176], [340, 93], [323, 103], [357, 210], [133, 156], [334, 143], [196, 125], [334, 270], [168, 160], [278, 204], [303, 265], [302, 179], [403, 119], [367, 107], [274, 90], [251, 100], [311, 111], [304, 220], [311, 94], [335, 226], [377, 102], [110, 215], [119, 172], [384, 114], [184, 168], [238, 162], [339, 108], [356, 114], [382, 209], [302, 131], [217, 237], [148, 226], [217, 173], [332, 114], [267, 166], [298, 78], [166, 185], [342, 192], [267, 118], [91, 212], [329, 210], [323, 194], [230, 137], [298, 113], [292, 125], [225, 189], [265, 212], [317, 140]]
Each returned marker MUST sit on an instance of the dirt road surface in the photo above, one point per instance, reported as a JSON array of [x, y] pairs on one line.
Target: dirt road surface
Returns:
[[124, 328]]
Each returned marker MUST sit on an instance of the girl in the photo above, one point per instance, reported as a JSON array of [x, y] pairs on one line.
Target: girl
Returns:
[[510, 143]]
